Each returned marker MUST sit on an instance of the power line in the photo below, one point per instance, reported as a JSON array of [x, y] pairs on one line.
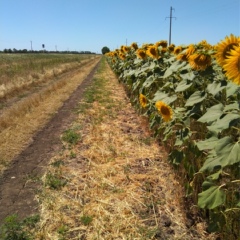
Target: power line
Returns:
[[170, 30]]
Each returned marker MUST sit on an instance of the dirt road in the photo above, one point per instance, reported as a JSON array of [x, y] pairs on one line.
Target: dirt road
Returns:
[[19, 183]]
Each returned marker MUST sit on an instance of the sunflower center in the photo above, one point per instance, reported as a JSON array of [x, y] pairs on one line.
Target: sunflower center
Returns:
[[165, 110]]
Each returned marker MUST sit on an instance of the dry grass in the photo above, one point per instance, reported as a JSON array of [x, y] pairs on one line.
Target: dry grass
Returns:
[[26, 80], [119, 184], [23, 119]]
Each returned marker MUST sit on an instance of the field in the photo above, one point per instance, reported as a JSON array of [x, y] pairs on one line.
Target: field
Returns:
[[149, 149], [32, 88]]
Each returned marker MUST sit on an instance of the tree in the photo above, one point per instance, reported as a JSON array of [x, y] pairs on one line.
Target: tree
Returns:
[[105, 50]]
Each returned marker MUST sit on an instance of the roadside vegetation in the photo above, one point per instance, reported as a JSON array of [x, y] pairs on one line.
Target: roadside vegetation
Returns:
[[190, 95]]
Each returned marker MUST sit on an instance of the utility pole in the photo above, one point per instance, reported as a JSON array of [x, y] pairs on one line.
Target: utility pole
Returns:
[[170, 30]]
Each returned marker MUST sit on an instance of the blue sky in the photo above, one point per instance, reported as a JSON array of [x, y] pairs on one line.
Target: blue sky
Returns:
[[89, 25]]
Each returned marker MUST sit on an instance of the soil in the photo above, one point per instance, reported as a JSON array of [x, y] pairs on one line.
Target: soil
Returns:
[[19, 183]]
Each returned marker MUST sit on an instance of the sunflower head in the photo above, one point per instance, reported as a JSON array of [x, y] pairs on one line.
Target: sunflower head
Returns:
[[232, 65], [190, 50], [177, 50], [199, 61], [141, 53], [143, 100], [205, 45], [223, 48], [165, 110], [134, 46], [182, 57], [152, 51], [162, 44], [122, 56], [171, 48]]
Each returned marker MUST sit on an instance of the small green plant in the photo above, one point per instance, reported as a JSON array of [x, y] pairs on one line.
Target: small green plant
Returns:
[[13, 229], [73, 154], [57, 163], [86, 220], [55, 182], [62, 230], [70, 136]]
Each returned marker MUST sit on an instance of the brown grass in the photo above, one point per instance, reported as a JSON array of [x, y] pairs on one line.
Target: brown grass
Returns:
[[23, 119], [119, 184]]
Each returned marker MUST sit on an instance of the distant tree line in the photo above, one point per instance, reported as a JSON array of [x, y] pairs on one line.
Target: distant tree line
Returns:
[[14, 50]]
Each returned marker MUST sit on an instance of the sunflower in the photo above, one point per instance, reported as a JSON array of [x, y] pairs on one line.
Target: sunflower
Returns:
[[199, 61], [232, 65], [165, 110], [177, 50], [122, 56], [171, 48], [143, 100], [161, 43], [134, 46], [205, 45], [190, 50], [152, 51], [182, 57], [141, 53], [224, 47]]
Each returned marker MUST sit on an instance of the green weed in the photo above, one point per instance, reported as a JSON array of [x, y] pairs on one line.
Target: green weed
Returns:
[[70, 136]]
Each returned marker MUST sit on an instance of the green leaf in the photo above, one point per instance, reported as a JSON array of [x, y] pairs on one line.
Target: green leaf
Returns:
[[225, 153], [212, 114], [159, 95], [176, 156], [188, 76], [175, 66], [148, 82], [233, 106], [238, 205], [183, 85], [231, 88], [224, 122], [196, 97], [207, 144], [215, 176], [162, 96], [228, 151], [215, 87], [211, 198]]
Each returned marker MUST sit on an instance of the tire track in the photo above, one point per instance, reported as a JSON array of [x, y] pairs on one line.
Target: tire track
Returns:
[[20, 181]]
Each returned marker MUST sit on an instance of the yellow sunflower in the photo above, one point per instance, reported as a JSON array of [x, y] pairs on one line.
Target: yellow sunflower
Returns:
[[177, 50], [182, 57], [205, 45], [134, 46], [232, 65], [141, 53], [152, 51], [165, 110], [122, 56], [143, 100], [199, 61], [190, 50], [171, 48], [162, 43], [223, 48]]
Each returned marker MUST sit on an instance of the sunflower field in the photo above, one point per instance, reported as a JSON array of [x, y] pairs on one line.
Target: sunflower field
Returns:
[[191, 98]]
